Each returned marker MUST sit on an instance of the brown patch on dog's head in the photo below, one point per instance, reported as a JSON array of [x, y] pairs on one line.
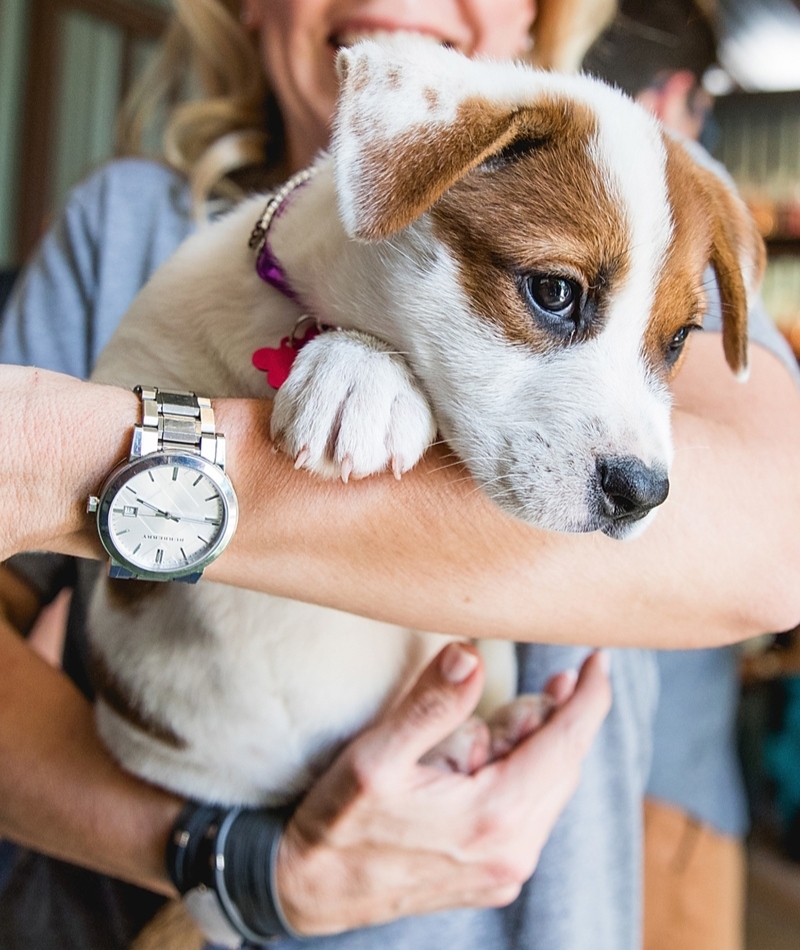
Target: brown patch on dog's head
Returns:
[[538, 205], [411, 175], [739, 258], [679, 299], [405, 178], [394, 78], [711, 226], [355, 74], [413, 121]]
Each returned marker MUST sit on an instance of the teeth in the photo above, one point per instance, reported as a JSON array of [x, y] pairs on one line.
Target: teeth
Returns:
[[350, 37]]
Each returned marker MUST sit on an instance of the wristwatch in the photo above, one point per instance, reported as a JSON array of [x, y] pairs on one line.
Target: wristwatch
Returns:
[[168, 511]]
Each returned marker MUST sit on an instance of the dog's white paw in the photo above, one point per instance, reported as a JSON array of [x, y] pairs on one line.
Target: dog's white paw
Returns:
[[351, 407]]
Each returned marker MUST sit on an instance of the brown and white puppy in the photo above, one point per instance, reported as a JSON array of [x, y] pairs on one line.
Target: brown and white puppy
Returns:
[[515, 259]]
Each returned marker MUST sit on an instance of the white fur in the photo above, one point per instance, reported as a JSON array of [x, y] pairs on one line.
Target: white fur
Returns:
[[251, 683], [352, 386], [263, 689]]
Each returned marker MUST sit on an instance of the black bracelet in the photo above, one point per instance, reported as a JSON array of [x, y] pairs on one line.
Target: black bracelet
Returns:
[[232, 852], [191, 846]]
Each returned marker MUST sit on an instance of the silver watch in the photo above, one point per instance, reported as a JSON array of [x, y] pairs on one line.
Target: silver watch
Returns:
[[169, 510]]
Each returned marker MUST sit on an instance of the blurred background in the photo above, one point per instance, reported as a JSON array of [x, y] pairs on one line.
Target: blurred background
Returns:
[[65, 68]]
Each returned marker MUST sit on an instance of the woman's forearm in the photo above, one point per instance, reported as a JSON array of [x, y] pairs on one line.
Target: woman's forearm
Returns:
[[60, 791], [718, 564]]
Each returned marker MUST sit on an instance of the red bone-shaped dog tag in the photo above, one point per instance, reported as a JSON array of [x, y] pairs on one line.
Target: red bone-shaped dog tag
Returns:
[[277, 362]]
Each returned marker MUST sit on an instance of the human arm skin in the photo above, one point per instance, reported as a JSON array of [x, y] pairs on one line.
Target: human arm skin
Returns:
[[718, 564], [381, 837], [60, 790], [61, 793]]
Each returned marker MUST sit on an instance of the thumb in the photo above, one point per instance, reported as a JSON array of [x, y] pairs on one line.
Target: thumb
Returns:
[[442, 698]]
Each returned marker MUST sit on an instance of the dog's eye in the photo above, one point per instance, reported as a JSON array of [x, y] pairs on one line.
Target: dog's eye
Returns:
[[553, 293], [554, 300], [677, 343]]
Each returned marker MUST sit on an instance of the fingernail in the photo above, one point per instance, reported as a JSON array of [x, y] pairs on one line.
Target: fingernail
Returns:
[[605, 661], [457, 662], [571, 676]]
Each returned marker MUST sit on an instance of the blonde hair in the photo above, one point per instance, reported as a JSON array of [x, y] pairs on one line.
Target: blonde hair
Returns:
[[565, 29], [207, 87], [208, 83]]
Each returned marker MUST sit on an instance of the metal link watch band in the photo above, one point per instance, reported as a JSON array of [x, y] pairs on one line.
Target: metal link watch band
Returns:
[[177, 421], [173, 425]]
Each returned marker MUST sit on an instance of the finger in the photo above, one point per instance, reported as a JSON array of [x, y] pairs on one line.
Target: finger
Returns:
[[580, 717], [444, 696], [561, 686], [564, 740]]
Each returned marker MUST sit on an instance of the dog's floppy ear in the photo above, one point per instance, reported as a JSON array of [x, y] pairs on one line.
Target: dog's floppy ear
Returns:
[[739, 259], [412, 120]]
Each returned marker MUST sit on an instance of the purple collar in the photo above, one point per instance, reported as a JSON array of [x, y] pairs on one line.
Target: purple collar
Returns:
[[268, 267]]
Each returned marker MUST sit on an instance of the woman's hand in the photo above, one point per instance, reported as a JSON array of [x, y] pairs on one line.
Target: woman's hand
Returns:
[[381, 837]]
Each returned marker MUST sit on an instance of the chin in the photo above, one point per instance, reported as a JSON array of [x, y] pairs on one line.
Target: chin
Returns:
[[623, 530]]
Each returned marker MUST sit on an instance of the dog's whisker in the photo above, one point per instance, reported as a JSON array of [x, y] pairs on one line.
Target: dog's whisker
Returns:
[[474, 460], [451, 464], [485, 483]]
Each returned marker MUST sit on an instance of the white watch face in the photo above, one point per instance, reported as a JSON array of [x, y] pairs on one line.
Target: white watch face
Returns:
[[168, 516]]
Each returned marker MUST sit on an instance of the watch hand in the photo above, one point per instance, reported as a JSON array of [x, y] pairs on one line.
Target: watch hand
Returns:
[[158, 511], [195, 520]]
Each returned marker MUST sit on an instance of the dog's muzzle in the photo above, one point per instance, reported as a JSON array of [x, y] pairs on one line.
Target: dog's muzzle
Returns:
[[627, 490]]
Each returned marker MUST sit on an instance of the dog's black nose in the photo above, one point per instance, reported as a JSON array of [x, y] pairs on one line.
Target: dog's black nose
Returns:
[[628, 488]]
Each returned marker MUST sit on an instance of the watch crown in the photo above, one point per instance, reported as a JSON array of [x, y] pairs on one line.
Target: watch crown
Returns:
[[92, 504]]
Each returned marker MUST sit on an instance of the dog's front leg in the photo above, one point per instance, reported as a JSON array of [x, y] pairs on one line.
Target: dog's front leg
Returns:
[[351, 407]]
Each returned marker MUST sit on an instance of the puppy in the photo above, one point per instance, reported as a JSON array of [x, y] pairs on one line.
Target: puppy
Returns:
[[511, 258]]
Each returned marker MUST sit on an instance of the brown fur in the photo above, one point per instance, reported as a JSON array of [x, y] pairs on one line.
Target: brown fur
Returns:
[[394, 78], [125, 703], [171, 929], [405, 177], [548, 211], [431, 96], [357, 75], [736, 246], [679, 297], [127, 595], [711, 226]]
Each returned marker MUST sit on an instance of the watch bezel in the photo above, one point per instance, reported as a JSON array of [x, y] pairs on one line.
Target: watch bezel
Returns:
[[126, 470]]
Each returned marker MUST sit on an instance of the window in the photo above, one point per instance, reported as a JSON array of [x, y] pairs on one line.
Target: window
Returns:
[[82, 56]]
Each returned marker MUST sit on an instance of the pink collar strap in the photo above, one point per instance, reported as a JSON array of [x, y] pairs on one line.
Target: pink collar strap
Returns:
[[268, 267]]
